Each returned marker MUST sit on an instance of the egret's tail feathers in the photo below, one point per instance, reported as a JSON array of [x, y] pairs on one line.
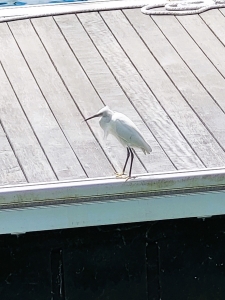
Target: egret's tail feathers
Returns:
[[147, 149]]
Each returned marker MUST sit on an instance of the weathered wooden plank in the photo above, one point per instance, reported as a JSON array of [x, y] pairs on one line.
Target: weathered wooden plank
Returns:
[[80, 87], [108, 88], [194, 93], [216, 22], [10, 171], [194, 57], [47, 130], [61, 102], [22, 138], [137, 90], [206, 40], [199, 64]]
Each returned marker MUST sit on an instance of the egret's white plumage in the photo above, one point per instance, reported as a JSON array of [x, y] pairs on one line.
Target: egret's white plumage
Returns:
[[124, 130]]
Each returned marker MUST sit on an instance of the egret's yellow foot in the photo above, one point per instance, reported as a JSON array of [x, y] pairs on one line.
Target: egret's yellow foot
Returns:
[[121, 175], [124, 176]]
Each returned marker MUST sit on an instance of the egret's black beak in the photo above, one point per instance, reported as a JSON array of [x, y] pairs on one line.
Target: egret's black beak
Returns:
[[95, 116]]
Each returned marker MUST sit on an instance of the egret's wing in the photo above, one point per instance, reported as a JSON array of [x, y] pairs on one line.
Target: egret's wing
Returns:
[[126, 130], [129, 135]]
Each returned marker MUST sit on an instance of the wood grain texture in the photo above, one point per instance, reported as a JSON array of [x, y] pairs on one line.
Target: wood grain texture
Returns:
[[22, 137], [10, 171], [136, 89], [108, 88], [57, 149], [215, 20], [81, 89], [206, 40], [61, 102], [193, 56], [198, 125], [166, 73]]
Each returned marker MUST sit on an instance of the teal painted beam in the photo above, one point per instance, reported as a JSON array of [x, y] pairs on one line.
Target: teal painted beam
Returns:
[[40, 218]]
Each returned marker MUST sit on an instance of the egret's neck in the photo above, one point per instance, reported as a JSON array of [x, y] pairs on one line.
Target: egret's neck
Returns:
[[105, 123]]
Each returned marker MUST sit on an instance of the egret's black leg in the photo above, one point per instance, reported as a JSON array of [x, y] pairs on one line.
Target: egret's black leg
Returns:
[[128, 155], [131, 162]]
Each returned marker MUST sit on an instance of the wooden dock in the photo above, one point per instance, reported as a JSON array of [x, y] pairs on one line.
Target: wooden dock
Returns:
[[166, 73]]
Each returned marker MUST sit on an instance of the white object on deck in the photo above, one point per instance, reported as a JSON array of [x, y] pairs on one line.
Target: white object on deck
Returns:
[[181, 7], [70, 204], [124, 130]]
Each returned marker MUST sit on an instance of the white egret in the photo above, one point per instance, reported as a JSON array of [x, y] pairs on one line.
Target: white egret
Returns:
[[124, 130]]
